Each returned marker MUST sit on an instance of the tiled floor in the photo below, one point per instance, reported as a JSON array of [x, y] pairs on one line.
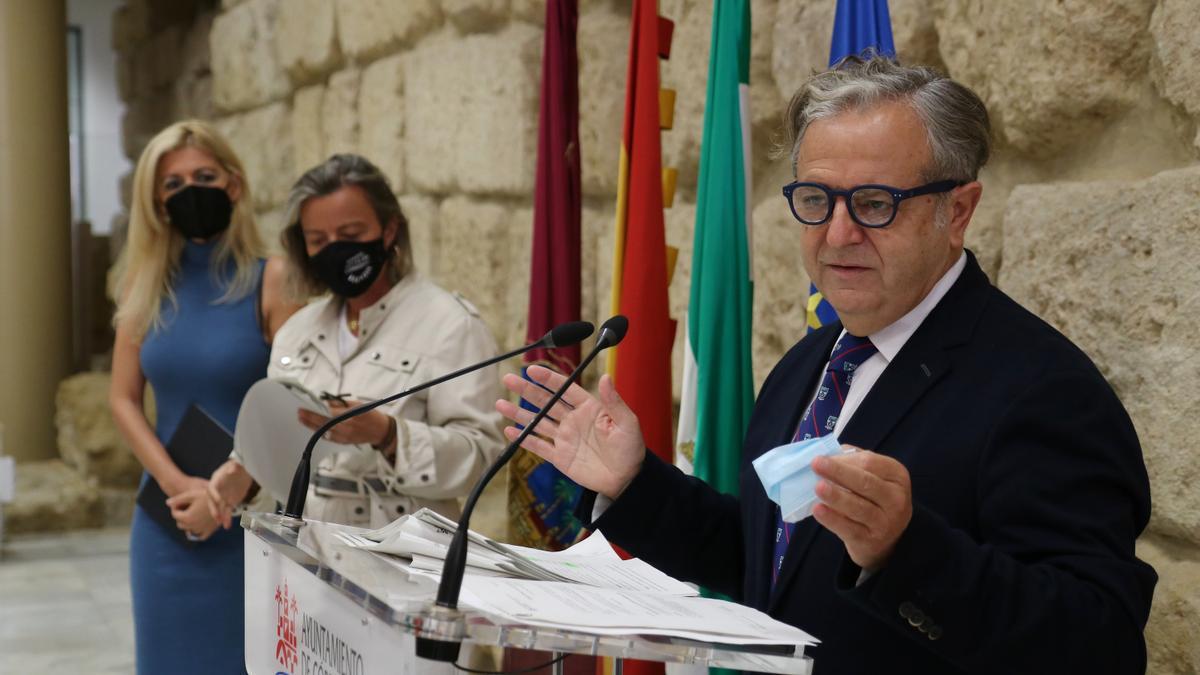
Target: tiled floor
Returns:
[[64, 604]]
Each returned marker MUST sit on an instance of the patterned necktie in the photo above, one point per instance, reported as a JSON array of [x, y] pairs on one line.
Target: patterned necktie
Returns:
[[821, 417]]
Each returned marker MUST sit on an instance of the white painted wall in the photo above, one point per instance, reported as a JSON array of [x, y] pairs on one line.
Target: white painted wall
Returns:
[[104, 161]]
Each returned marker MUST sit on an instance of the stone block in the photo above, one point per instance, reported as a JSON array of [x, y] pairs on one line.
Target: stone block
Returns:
[[985, 234], [1176, 52], [800, 43], [116, 506], [306, 41], [687, 73], [1111, 265], [308, 139], [195, 59], [246, 71], [381, 117], [130, 24], [88, 439], [533, 11], [423, 226], [339, 113], [166, 58], [594, 300], [270, 227], [174, 13], [1173, 632], [1051, 73], [766, 105], [603, 34], [605, 238], [474, 252], [193, 98], [515, 289], [780, 285], [126, 75], [144, 118], [470, 112], [52, 497], [680, 220], [144, 69], [476, 15], [369, 28], [262, 139]]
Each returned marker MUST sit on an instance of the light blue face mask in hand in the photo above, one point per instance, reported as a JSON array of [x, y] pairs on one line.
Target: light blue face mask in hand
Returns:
[[786, 473]]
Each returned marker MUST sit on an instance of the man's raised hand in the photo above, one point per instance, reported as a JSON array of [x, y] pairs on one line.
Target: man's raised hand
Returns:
[[594, 441]]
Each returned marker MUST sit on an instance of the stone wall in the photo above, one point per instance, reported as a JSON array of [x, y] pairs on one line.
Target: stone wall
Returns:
[[1089, 217]]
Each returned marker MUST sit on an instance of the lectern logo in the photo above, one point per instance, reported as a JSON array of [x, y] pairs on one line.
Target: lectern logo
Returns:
[[286, 610]]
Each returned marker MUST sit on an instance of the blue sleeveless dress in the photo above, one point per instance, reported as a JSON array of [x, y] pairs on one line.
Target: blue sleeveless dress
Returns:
[[188, 601]]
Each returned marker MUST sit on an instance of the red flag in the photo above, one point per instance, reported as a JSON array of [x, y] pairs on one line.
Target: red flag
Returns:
[[554, 288], [642, 368]]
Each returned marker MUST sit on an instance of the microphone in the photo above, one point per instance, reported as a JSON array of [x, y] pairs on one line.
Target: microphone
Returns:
[[560, 336], [441, 632]]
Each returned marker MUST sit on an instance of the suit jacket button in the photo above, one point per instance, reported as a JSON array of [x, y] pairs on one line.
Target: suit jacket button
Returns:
[[907, 609], [935, 632], [917, 618]]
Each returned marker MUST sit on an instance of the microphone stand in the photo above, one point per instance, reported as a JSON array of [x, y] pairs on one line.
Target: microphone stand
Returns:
[[442, 630], [560, 336]]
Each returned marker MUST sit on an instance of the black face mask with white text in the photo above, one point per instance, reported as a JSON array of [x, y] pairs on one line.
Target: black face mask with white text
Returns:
[[350, 267], [200, 212]]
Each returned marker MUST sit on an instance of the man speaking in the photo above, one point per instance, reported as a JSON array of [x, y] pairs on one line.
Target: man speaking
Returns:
[[986, 522]]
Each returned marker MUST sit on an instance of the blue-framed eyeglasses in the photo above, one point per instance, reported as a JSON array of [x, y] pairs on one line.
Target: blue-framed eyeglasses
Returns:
[[869, 205]]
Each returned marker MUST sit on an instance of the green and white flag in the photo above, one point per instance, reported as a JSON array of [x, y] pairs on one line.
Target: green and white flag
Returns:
[[718, 382]]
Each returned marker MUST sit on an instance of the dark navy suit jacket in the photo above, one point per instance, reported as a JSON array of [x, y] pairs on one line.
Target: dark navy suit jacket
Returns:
[[1029, 491]]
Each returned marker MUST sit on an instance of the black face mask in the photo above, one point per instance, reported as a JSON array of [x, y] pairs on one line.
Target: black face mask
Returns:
[[200, 212], [350, 267]]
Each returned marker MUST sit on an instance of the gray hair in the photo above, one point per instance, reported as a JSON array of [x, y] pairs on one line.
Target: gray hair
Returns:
[[326, 178], [955, 119]]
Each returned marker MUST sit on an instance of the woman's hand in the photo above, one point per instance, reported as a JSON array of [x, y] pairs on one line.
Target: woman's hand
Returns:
[[227, 488], [191, 513], [372, 428], [183, 483]]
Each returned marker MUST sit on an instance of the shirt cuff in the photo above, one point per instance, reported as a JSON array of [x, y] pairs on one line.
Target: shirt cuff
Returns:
[[600, 506]]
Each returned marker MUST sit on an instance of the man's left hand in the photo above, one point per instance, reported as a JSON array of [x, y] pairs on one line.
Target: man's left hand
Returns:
[[866, 500]]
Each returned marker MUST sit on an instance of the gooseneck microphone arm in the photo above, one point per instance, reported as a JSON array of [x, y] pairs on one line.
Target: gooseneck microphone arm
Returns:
[[560, 336], [446, 648]]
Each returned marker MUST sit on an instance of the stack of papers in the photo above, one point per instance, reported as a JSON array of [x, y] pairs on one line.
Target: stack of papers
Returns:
[[584, 588], [424, 538], [613, 612]]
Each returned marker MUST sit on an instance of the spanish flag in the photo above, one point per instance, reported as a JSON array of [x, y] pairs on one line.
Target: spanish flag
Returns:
[[642, 262], [641, 365]]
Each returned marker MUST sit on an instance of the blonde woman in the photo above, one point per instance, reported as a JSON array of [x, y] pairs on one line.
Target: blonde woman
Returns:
[[198, 306]]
